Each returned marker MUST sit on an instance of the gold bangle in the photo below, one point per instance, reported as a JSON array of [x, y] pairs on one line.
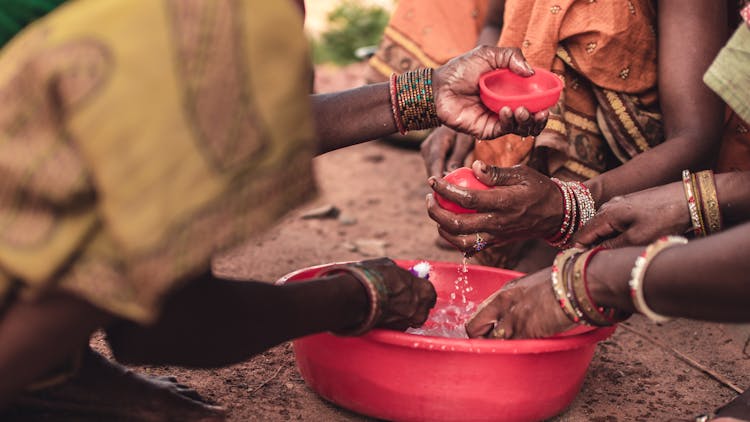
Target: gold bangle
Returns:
[[592, 314], [559, 285], [709, 201], [692, 204]]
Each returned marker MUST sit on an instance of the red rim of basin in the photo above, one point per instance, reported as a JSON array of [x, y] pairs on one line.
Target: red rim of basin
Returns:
[[574, 339], [486, 91]]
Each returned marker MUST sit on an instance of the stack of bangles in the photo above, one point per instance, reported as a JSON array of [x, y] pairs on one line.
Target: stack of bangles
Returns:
[[570, 286], [578, 209], [377, 293], [413, 101], [702, 202], [571, 291]]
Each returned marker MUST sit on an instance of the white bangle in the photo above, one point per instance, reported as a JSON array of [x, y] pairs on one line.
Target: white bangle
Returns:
[[639, 273]]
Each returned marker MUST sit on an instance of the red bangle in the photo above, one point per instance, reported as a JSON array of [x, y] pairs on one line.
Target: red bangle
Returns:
[[394, 105]]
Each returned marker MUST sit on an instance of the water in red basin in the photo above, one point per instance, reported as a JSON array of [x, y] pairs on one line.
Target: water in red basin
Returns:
[[399, 376]]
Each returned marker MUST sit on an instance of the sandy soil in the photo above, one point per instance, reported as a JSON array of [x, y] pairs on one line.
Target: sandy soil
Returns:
[[380, 190]]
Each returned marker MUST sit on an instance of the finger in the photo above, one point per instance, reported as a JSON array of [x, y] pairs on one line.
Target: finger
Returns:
[[524, 121], [503, 329], [486, 317], [601, 227], [498, 176], [516, 62], [506, 120], [463, 223], [434, 150], [540, 122], [468, 243], [461, 148], [620, 241]]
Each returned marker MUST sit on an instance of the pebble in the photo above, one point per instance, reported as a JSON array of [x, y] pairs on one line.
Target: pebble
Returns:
[[325, 211], [347, 220]]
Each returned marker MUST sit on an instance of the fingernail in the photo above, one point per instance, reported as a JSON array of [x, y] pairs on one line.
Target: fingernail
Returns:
[[528, 67], [431, 181], [483, 167]]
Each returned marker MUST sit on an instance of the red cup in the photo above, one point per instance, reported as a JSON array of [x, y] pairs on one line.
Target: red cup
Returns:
[[463, 177], [502, 87]]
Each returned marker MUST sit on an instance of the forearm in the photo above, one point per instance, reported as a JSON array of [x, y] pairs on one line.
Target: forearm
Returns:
[[658, 166], [706, 279], [734, 197], [214, 322], [493, 23], [693, 116], [353, 116]]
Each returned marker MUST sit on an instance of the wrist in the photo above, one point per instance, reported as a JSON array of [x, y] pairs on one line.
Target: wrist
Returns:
[[608, 274], [354, 300]]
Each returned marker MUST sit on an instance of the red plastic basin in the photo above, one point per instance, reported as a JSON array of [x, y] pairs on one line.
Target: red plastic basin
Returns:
[[405, 377], [502, 87]]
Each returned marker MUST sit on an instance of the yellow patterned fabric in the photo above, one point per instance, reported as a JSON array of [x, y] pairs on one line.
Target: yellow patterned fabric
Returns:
[[138, 137]]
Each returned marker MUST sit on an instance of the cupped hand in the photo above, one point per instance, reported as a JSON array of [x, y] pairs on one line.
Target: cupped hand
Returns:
[[521, 204], [445, 150], [456, 90], [523, 308], [410, 298], [638, 218]]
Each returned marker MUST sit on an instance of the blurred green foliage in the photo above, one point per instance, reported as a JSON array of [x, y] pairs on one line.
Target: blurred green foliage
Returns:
[[352, 25]]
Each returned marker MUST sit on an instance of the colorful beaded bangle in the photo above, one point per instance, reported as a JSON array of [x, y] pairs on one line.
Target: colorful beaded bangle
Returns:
[[566, 202], [639, 273], [695, 218], [376, 291], [416, 100], [709, 203], [394, 105], [586, 204], [568, 228], [559, 287]]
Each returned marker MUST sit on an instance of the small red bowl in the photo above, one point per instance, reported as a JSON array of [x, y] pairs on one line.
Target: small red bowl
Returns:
[[502, 87], [463, 177], [406, 377]]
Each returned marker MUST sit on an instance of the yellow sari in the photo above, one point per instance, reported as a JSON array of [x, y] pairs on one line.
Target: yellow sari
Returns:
[[138, 137]]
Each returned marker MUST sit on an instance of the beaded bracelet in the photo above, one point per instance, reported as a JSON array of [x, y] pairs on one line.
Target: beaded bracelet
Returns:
[[586, 205], [709, 202], [559, 285], [578, 209], [695, 217], [394, 105], [638, 273], [413, 100], [376, 291]]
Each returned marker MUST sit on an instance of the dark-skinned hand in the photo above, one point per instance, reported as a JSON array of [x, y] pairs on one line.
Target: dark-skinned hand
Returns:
[[410, 298], [445, 150], [638, 218], [456, 91], [523, 308], [521, 204]]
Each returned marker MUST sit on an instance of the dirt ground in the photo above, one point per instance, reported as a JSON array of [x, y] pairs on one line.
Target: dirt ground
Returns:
[[642, 373]]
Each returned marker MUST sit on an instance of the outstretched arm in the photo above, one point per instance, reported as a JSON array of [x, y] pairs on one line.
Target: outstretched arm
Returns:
[[705, 279], [361, 114]]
